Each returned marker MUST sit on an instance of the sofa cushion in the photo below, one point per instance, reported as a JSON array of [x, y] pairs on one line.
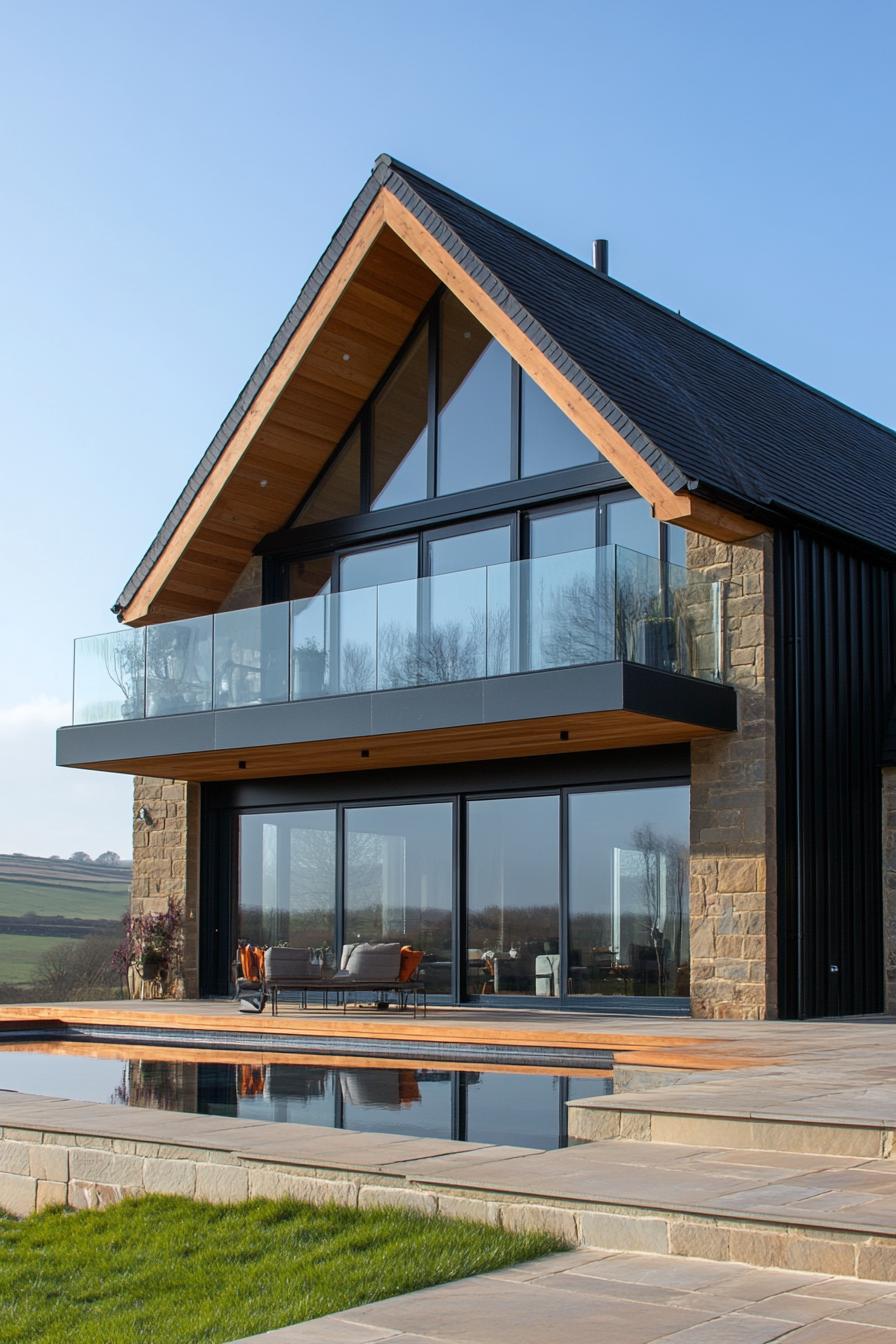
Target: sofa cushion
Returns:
[[290, 963], [375, 961], [410, 962]]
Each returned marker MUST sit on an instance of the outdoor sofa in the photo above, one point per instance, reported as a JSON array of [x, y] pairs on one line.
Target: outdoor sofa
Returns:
[[383, 969]]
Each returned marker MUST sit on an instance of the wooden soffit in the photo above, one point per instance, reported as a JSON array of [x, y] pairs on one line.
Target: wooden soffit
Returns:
[[356, 324]]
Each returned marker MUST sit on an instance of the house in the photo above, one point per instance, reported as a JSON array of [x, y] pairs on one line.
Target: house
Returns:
[[511, 615]]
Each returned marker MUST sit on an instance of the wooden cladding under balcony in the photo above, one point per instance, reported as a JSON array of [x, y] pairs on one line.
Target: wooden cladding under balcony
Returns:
[[599, 731]]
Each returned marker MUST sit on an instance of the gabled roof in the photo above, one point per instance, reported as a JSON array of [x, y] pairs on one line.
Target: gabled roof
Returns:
[[705, 419]]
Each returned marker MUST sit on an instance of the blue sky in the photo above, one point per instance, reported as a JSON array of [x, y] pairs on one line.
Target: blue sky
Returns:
[[171, 172]]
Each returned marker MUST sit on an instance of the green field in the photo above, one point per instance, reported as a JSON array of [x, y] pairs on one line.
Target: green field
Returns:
[[20, 956], [30, 885], [19, 896]]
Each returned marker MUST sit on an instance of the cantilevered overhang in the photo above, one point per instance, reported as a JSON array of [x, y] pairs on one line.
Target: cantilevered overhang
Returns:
[[594, 708]]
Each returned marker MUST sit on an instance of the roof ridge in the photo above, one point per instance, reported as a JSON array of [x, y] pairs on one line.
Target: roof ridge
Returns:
[[601, 278]]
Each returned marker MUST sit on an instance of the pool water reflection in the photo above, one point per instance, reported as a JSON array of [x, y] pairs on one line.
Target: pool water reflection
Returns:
[[480, 1104]]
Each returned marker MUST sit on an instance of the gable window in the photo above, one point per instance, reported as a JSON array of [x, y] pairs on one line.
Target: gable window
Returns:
[[399, 431], [453, 413], [549, 439], [473, 433], [338, 492]]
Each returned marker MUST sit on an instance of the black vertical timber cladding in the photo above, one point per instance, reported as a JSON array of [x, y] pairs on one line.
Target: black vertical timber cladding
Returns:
[[836, 617]]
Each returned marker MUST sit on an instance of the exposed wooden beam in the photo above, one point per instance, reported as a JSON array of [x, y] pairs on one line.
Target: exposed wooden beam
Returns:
[[684, 508]]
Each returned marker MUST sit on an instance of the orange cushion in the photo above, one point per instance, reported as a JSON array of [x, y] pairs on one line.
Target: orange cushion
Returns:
[[245, 957], [410, 960], [258, 963]]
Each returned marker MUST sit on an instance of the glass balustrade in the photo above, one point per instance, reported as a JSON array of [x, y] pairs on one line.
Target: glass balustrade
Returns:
[[572, 609]]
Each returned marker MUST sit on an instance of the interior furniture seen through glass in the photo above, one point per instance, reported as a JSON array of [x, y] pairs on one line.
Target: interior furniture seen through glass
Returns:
[[626, 865], [398, 881], [628, 892], [513, 896]]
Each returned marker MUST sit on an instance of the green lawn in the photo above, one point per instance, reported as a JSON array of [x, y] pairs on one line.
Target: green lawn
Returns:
[[21, 954], [161, 1270]]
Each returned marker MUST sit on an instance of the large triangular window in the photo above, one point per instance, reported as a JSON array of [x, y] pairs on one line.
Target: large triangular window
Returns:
[[454, 413]]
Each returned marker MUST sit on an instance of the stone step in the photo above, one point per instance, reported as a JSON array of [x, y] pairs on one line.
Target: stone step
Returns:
[[669, 1115]]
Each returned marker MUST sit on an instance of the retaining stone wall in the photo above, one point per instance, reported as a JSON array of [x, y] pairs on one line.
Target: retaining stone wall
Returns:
[[39, 1169]]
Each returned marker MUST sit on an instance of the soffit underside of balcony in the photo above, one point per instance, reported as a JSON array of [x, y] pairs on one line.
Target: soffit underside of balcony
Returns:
[[603, 707]]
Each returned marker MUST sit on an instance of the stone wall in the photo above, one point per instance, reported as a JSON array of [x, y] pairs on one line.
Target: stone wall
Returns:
[[733, 860], [888, 795], [166, 861], [195, 1157]]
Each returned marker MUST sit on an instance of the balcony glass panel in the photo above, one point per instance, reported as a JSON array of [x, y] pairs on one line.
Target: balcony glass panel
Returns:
[[568, 608], [579, 607], [252, 656], [179, 667], [110, 675]]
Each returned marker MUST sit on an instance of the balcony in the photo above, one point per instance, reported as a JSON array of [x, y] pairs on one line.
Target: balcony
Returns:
[[542, 636]]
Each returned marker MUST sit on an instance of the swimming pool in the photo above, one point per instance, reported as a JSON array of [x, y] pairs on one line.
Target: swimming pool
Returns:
[[480, 1102]]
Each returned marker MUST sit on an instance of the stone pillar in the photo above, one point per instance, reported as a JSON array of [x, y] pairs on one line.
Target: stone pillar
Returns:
[[888, 795], [733, 857], [166, 860]]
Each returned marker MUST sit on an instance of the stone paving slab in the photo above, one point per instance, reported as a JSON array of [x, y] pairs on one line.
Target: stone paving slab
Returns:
[[840, 1194], [587, 1296]]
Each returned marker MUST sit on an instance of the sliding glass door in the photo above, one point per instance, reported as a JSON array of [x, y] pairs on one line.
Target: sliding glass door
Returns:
[[399, 881], [628, 892], [513, 896], [568, 895]]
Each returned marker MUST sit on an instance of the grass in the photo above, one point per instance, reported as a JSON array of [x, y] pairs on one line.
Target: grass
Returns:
[[77, 900], [164, 1270], [21, 954]]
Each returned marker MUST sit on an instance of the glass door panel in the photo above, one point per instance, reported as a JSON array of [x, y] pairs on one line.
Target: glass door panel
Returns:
[[568, 591], [631, 524], [399, 881], [287, 890], [376, 623], [628, 892], [464, 611], [513, 896]]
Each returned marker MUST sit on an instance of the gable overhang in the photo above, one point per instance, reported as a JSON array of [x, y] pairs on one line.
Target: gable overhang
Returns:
[[359, 306]]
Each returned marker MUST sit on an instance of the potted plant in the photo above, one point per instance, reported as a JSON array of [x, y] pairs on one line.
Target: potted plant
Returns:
[[150, 950]]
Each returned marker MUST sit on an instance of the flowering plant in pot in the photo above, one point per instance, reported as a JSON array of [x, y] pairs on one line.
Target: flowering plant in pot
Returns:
[[151, 946]]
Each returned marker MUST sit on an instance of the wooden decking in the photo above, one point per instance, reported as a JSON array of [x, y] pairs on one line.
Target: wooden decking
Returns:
[[654, 1041]]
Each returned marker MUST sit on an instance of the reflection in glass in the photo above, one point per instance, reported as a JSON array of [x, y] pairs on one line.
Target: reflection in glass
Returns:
[[399, 881], [570, 608], [466, 622], [550, 440], [288, 879], [513, 896], [628, 892], [251, 656], [338, 493], [630, 523], [109, 676], [377, 625], [399, 430], [179, 666], [474, 403]]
